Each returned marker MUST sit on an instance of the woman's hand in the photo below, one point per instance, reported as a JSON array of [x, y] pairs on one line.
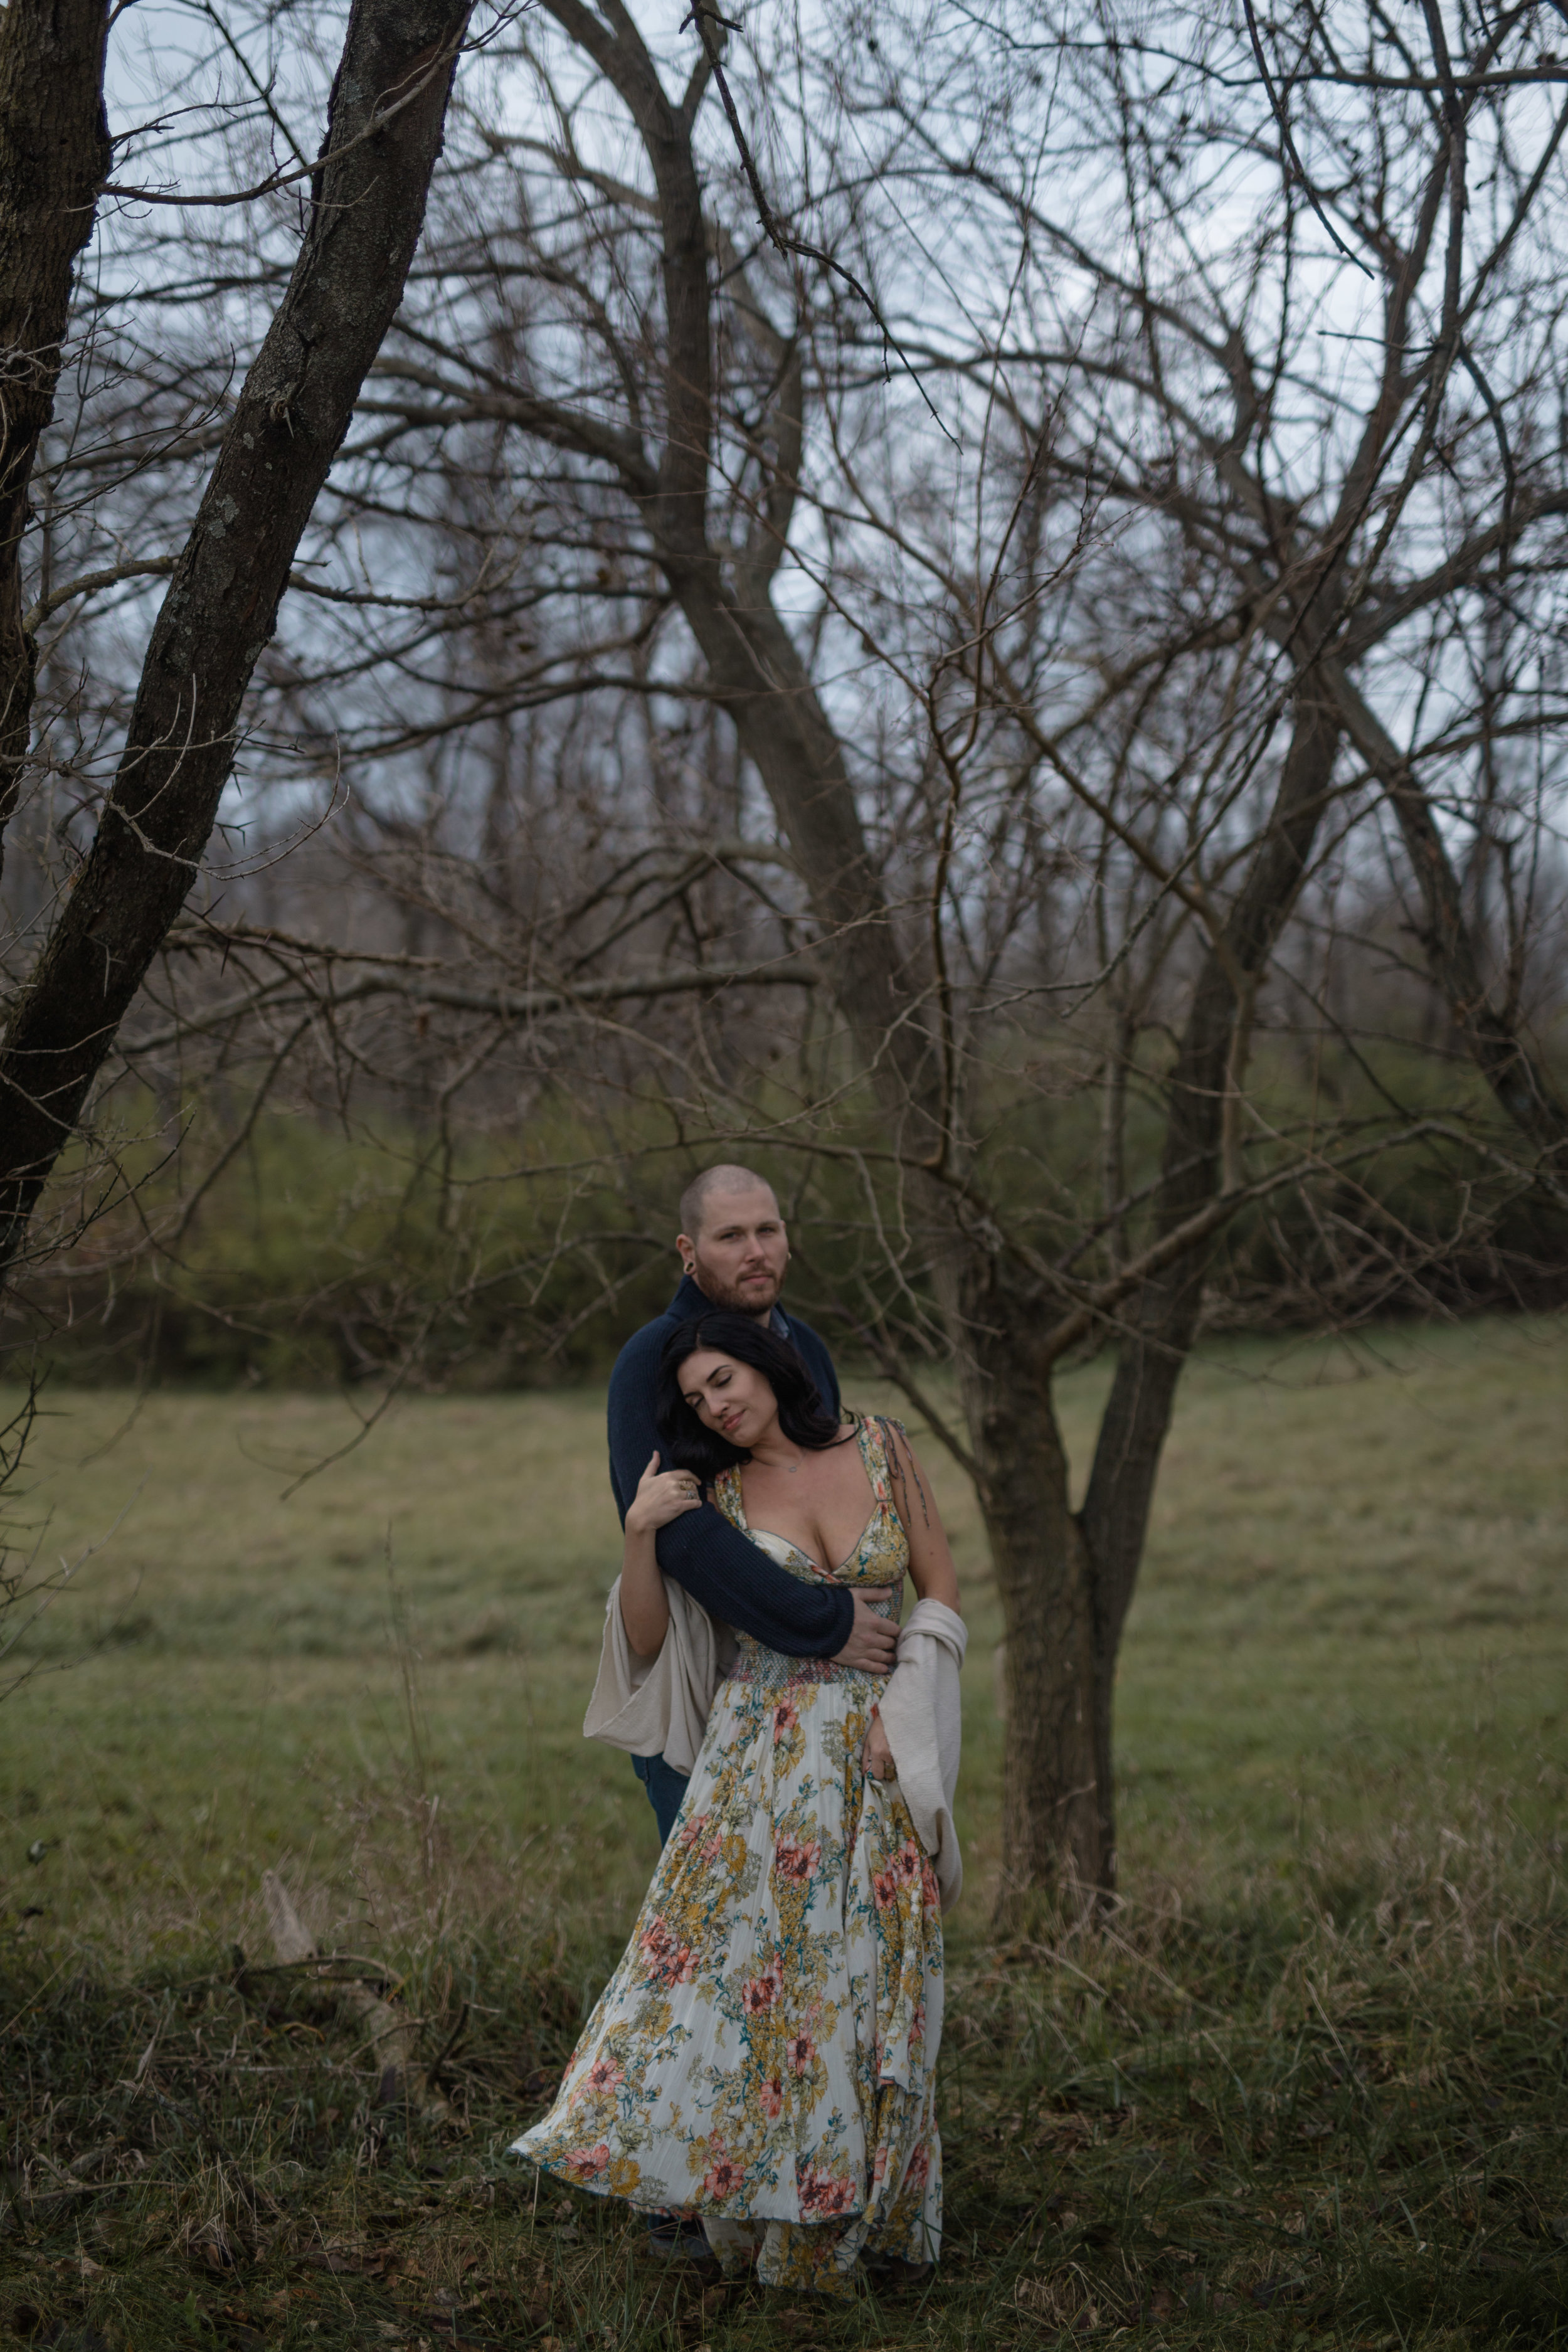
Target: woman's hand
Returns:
[[876, 1755], [661, 1495]]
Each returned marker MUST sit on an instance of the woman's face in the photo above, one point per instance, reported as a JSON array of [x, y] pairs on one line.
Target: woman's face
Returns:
[[732, 1398]]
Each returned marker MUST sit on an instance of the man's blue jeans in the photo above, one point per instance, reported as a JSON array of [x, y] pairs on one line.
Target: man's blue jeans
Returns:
[[665, 1787]]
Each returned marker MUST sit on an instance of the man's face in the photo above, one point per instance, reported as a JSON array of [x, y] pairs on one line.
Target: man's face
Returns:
[[738, 1259]]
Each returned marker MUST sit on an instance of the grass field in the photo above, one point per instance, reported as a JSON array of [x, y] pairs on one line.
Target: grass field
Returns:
[[1312, 2076]]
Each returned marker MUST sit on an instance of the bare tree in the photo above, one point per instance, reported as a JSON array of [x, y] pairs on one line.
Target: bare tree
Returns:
[[1241, 576]]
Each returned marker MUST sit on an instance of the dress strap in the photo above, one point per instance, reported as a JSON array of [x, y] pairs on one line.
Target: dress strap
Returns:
[[727, 1495], [872, 1431]]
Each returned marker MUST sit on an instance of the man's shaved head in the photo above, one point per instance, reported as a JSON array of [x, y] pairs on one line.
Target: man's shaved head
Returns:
[[726, 1178]]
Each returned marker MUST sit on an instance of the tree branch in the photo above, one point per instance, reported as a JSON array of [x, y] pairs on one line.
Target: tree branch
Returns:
[[512, 1006]]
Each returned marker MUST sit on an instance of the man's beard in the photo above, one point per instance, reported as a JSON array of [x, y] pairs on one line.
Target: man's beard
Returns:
[[735, 1301]]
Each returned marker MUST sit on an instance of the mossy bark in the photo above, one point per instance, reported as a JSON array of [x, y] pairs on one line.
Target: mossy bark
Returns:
[[54, 156]]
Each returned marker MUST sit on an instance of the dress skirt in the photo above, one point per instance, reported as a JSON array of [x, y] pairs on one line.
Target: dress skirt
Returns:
[[764, 2055]]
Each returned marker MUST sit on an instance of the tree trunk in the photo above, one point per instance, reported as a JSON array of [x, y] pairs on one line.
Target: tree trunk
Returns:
[[1161, 1319], [1053, 1812], [396, 68], [54, 155]]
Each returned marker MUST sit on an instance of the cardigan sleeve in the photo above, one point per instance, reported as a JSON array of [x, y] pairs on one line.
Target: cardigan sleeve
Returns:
[[921, 1714]]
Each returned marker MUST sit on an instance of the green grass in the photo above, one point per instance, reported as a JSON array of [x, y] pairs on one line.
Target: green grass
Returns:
[[1312, 2076]]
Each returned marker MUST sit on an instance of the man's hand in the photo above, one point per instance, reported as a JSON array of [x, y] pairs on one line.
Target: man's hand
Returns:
[[873, 1642]]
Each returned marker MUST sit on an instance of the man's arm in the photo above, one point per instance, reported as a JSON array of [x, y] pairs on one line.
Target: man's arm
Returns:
[[726, 1573]]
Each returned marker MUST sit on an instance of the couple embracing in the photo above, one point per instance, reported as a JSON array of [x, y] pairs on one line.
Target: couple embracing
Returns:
[[760, 2073]]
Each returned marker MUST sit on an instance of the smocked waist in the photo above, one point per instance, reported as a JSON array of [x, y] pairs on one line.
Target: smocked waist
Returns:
[[770, 1670]]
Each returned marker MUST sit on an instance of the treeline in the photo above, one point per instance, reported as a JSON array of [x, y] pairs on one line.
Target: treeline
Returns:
[[317, 1256]]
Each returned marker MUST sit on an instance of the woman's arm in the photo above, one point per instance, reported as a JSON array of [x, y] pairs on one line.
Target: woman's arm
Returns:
[[661, 1496], [930, 1559]]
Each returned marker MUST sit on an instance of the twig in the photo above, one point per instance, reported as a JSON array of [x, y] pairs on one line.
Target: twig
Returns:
[[1288, 136], [701, 15]]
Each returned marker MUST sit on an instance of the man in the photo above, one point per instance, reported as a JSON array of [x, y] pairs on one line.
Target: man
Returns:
[[734, 1252]]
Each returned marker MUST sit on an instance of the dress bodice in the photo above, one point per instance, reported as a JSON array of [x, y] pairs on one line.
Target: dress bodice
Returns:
[[880, 1555]]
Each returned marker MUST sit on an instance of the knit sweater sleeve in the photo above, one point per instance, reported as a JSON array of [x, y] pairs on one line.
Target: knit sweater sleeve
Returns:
[[726, 1573]]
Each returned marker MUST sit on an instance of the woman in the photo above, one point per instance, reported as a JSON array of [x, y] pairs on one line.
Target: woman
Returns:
[[764, 2055]]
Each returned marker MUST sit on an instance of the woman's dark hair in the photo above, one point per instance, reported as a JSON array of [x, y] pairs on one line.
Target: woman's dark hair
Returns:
[[687, 1443]]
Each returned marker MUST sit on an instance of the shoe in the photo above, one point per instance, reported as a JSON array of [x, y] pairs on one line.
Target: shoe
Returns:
[[893, 2271], [678, 2238]]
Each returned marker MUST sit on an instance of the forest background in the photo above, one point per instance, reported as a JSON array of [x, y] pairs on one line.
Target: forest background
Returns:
[[966, 606]]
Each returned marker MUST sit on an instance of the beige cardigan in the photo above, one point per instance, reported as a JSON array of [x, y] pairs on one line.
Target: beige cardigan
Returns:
[[660, 1706], [921, 1716]]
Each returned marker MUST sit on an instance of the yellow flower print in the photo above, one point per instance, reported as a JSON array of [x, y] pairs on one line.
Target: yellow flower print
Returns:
[[765, 2052]]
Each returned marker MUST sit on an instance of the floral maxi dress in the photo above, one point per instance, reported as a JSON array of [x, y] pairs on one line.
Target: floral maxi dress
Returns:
[[764, 2054]]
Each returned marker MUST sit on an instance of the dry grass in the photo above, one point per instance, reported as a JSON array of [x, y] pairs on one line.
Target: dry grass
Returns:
[[1311, 2076], [1206, 2129]]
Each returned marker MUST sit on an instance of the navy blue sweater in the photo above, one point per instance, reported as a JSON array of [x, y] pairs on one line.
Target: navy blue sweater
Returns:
[[733, 1577]]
